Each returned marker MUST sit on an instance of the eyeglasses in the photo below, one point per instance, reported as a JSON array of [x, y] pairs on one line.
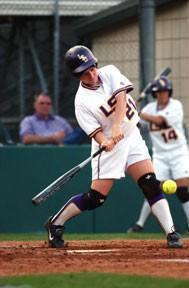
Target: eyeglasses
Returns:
[[45, 103]]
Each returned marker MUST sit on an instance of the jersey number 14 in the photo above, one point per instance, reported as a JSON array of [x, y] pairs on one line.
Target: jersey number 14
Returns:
[[169, 135]]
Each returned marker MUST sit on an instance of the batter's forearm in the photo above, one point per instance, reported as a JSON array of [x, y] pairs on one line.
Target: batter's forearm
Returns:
[[120, 108], [100, 137]]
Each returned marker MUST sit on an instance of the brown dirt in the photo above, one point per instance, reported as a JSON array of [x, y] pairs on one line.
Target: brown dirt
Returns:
[[139, 257]]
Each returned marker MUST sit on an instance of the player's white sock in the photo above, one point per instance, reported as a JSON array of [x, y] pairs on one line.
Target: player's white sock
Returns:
[[186, 210], [161, 211], [67, 213], [144, 214]]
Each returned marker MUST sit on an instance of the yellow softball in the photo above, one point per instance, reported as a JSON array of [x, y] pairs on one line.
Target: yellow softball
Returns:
[[169, 187]]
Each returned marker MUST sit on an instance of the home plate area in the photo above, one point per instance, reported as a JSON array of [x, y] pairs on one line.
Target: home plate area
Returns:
[[136, 257]]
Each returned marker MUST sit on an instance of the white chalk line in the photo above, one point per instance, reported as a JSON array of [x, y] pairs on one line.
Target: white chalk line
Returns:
[[89, 251], [92, 251], [174, 260]]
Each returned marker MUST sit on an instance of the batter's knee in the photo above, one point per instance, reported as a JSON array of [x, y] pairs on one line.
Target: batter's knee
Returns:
[[150, 187], [93, 199], [183, 194]]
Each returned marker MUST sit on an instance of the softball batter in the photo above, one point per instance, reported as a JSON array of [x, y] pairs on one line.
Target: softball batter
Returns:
[[107, 113]]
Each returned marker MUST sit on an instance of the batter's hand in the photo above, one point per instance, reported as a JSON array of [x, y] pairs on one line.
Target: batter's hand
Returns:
[[108, 144], [117, 133]]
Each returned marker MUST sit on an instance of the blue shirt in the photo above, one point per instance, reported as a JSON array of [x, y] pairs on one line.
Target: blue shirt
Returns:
[[34, 125]]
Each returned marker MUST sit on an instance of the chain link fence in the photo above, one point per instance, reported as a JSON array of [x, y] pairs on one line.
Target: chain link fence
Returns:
[[34, 36]]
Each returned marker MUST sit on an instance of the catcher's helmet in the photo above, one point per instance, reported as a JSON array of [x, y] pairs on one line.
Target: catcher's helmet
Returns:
[[161, 84], [79, 59]]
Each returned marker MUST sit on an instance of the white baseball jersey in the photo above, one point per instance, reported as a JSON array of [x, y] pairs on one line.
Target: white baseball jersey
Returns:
[[94, 108], [170, 135], [170, 150]]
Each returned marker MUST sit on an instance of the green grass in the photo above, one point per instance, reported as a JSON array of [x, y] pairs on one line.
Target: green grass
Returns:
[[91, 280], [76, 236], [70, 236]]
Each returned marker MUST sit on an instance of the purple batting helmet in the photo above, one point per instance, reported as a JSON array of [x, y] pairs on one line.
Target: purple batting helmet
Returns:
[[161, 84], [79, 59]]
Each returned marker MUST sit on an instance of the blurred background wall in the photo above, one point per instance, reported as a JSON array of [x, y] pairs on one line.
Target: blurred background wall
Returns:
[[25, 171], [34, 36]]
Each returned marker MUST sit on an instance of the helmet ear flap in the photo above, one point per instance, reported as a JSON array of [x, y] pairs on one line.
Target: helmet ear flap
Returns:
[[79, 58], [170, 92], [78, 75]]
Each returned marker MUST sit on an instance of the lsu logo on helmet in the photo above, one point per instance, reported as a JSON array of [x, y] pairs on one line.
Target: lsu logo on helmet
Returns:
[[82, 58]]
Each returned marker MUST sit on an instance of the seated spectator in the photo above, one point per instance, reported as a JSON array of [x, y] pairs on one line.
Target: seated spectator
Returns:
[[45, 128]]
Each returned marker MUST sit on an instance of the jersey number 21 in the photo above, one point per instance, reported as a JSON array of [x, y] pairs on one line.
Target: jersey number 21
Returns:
[[130, 107]]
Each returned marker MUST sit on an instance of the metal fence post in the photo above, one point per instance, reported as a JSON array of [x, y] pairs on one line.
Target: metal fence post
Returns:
[[56, 55], [21, 72], [147, 42]]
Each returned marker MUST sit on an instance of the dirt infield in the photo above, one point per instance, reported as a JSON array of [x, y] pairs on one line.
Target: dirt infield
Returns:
[[139, 257]]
